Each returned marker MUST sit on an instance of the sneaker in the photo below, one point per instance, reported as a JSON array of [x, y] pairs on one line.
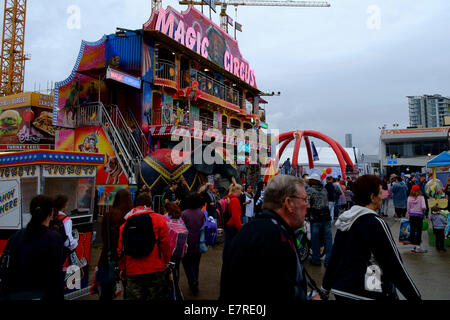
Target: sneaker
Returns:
[[420, 250]]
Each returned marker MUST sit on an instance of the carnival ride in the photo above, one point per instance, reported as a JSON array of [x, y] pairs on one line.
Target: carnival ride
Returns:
[[345, 163]]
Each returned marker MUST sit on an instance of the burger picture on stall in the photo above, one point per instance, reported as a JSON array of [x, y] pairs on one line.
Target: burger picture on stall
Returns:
[[10, 121]]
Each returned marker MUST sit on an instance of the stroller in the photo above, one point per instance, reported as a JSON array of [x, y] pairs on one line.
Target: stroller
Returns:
[[304, 245]]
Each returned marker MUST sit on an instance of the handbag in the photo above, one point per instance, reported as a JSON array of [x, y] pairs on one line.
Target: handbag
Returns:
[[109, 273], [404, 234]]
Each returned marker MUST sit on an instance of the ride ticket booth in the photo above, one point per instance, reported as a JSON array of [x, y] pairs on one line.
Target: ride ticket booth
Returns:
[[24, 175]]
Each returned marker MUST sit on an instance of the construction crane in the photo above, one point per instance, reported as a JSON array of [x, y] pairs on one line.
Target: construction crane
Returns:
[[12, 63], [236, 3]]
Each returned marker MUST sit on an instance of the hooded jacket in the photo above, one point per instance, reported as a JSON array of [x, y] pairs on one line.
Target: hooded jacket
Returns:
[[160, 256], [234, 209], [416, 206], [365, 262]]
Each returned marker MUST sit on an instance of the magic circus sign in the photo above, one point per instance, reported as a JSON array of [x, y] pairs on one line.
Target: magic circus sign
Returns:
[[193, 30]]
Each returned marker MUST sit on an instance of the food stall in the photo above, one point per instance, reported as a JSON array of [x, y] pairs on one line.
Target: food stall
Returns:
[[23, 175], [440, 166]]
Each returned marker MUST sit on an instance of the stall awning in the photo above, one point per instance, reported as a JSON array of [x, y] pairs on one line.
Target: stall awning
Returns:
[[442, 160], [50, 156]]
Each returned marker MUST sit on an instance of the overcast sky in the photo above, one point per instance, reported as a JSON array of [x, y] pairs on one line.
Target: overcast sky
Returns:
[[343, 69]]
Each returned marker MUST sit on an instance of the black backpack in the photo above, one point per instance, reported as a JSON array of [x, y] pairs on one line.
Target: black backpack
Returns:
[[6, 263], [138, 238], [58, 226]]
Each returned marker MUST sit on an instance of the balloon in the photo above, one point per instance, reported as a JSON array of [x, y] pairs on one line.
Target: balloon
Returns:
[[329, 170], [323, 176], [403, 174], [324, 170], [425, 225]]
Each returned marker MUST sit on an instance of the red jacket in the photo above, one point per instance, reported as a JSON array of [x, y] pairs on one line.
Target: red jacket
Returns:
[[234, 208], [153, 262]]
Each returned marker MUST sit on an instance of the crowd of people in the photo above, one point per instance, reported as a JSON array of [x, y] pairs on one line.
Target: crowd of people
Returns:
[[260, 230]]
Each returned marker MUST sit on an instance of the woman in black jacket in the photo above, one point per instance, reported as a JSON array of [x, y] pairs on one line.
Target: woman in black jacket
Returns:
[[36, 257], [365, 263]]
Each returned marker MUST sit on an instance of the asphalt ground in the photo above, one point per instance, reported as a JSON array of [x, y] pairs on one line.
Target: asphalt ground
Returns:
[[430, 271]]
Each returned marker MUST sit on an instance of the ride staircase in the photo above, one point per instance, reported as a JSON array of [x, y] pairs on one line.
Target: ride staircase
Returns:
[[129, 152]]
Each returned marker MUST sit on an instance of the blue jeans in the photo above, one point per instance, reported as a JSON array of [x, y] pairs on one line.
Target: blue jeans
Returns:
[[337, 207], [321, 231], [246, 219], [331, 206]]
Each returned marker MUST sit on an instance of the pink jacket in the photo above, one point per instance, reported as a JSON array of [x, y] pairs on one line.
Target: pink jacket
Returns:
[[416, 205], [385, 193]]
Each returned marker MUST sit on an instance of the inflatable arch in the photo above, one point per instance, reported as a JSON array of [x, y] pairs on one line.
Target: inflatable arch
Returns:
[[285, 138]]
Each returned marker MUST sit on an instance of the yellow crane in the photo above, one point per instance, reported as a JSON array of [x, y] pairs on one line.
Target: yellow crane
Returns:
[[12, 62]]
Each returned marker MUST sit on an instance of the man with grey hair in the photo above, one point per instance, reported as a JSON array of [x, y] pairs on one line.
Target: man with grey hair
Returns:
[[261, 263]]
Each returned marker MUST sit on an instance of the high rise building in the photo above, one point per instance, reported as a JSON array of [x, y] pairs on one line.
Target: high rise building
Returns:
[[348, 140], [428, 111]]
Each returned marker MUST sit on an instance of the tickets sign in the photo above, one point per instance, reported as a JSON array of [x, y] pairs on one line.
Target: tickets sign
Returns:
[[68, 171], [10, 217], [19, 172]]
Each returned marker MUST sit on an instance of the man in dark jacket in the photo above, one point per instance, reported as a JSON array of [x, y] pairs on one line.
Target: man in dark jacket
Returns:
[[262, 263], [319, 217]]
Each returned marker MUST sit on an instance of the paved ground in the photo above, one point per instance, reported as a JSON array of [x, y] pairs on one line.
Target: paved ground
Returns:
[[430, 271]]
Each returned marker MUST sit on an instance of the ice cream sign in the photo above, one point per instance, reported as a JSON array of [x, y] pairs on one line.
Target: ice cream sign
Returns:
[[195, 31], [10, 217]]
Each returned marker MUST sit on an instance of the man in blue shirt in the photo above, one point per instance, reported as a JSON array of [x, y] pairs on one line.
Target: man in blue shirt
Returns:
[[287, 166], [400, 196]]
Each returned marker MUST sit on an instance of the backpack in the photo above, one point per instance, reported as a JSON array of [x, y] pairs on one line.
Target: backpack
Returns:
[[6, 262], [178, 234], [57, 225], [208, 233], [210, 226], [138, 237], [223, 208]]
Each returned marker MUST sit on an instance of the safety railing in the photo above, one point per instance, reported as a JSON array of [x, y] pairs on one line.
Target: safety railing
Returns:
[[175, 116], [214, 88], [165, 70], [137, 133], [117, 132]]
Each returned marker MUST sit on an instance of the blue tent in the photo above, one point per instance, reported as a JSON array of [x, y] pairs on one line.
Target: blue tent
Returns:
[[442, 160]]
